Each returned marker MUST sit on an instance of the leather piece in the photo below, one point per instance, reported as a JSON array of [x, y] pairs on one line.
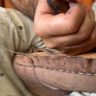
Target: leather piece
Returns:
[[29, 77], [58, 70], [61, 62]]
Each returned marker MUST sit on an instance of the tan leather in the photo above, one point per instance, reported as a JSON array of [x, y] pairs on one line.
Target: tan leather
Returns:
[[32, 82], [59, 71]]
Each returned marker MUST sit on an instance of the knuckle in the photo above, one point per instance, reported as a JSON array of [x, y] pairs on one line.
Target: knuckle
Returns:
[[72, 27]]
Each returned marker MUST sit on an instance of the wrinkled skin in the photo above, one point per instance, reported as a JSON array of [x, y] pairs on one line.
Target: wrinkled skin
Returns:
[[73, 32]]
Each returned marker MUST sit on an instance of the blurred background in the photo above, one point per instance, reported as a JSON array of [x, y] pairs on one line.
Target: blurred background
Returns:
[[86, 3], [8, 4]]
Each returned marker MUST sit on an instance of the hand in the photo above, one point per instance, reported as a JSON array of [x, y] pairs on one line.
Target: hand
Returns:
[[65, 31]]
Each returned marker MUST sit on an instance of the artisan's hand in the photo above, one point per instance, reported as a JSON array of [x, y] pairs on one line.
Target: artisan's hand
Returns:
[[68, 32]]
